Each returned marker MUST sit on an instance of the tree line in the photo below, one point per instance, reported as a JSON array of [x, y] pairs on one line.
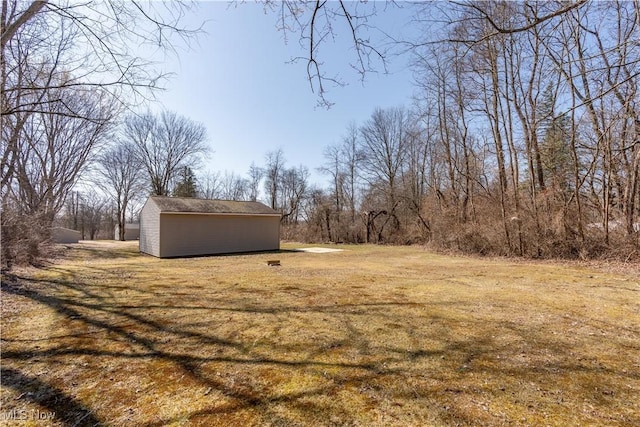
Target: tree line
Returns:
[[67, 73], [537, 126], [523, 139]]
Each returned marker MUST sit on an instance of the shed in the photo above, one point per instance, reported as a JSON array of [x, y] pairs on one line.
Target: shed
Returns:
[[64, 235], [178, 227], [131, 231]]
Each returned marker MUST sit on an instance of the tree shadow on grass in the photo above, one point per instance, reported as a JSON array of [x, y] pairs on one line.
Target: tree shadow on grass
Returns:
[[201, 355], [62, 406], [91, 309], [91, 253]]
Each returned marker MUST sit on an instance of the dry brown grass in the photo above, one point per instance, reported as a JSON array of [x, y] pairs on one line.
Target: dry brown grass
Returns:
[[369, 336]]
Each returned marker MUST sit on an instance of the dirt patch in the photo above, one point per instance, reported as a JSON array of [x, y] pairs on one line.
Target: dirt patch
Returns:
[[318, 250]]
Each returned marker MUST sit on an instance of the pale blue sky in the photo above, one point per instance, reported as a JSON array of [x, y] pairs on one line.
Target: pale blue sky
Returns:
[[237, 81]]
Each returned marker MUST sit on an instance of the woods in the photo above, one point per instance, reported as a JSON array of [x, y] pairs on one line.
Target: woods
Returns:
[[523, 138], [67, 74], [560, 102]]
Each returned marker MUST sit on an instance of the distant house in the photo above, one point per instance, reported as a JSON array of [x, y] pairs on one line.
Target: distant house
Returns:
[[64, 235], [131, 232], [177, 227]]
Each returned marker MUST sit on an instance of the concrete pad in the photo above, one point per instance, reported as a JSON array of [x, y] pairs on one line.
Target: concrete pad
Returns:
[[317, 250]]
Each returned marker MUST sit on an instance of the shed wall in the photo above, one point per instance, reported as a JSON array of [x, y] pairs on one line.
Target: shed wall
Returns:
[[150, 228], [196, 234], [131, 232], [64, 235]]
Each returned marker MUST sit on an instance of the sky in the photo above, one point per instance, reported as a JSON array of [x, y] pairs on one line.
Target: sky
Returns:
[[238, 81]]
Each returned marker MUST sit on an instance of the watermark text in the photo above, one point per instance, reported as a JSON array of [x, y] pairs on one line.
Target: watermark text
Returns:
[[27, 415]]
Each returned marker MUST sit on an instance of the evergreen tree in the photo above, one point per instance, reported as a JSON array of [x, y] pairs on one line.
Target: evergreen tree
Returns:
[[186, 186], [556, 154], [555, 150]]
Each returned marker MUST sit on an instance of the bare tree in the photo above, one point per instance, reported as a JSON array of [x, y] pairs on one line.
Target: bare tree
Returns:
[[272, 176], [316, 23], [333, 168], [90, 46], [420, 146], [51, 154], [210, 185], [351, 158], [318, 216], [92, 213], [164, 144], [286, 189], [602, 78], [294, 189], [532, 110], [122, 177], [555, 85], [110, 34], [384, 148], [255, 178], [81, 47], [234, 187], [85, 212], [64, 67], [55, 148], [341, 165]]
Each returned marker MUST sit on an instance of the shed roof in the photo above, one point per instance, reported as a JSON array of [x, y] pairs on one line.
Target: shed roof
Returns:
[[65, 230], [207, 206]]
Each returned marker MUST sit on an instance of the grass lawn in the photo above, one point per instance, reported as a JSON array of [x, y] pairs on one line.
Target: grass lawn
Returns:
[[372, 336]]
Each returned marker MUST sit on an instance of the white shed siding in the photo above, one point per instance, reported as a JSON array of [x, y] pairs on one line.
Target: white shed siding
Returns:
[[131, 232], [175, 227], [208, 234], [150, 228]]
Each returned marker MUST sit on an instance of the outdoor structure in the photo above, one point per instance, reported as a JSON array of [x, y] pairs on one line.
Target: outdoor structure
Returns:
[[179, 227], [131, 232], [64, 235]]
